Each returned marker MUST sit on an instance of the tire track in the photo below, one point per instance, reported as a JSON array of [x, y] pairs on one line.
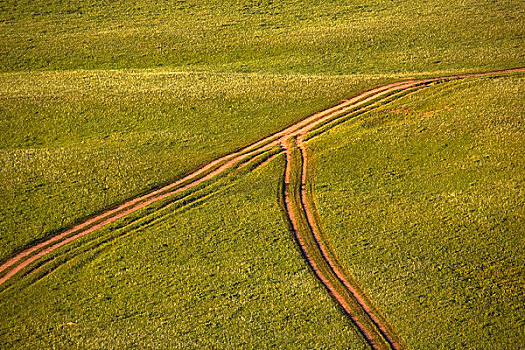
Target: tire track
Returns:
[[108, 218], [22, 260], [319, 241], [315, 252], [187, 200], [291, 210]]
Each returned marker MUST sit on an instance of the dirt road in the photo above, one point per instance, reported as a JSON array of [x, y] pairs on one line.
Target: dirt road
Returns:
[[377, 333], [314, 250], [25, 258]]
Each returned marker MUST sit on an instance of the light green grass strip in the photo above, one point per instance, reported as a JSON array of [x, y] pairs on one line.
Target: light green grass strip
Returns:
[[298, 36]]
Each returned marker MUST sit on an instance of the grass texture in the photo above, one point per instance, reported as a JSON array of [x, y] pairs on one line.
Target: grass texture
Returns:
[[217, 274], [423, 203], [298, 36]]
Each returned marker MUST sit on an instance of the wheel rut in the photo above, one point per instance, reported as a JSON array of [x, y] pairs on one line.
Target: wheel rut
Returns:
[[315, 252], [291, 140]]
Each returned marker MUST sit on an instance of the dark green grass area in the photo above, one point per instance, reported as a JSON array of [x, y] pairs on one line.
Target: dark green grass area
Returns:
[[223, 274], [329, 36], [75, 143], [423, 202]]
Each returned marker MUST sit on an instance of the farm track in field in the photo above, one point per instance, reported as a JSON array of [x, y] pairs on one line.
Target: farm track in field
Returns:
[[301, 217], [307, 234]]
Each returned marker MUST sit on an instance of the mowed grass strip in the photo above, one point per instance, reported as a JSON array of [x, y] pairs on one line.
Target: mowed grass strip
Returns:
[[224, 274], [299, 36], [75, 143], [423, 202]]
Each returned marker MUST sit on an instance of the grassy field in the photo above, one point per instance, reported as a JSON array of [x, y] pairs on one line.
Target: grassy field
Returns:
[[299, 36], [215, 275], [423, 202], [101, 101], [75, 143]]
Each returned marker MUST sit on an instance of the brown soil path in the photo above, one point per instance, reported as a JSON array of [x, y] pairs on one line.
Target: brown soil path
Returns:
[[316, 254], [299, 235], [25, 258], [369, 330], [327, 257], [105, 219]]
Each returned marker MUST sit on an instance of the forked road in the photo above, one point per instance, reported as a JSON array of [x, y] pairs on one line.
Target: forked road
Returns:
[[27, 257], [377, 333]]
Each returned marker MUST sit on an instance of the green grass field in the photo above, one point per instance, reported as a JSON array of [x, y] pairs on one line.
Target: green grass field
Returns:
[[422, 202], [78, 142], [327, 37], [213, 275], [102, 101]]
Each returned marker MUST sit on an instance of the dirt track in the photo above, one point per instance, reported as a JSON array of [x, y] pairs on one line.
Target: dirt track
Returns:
[[291, 209], [373, 330], [20, 261], [317, 236], [316, 254]]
